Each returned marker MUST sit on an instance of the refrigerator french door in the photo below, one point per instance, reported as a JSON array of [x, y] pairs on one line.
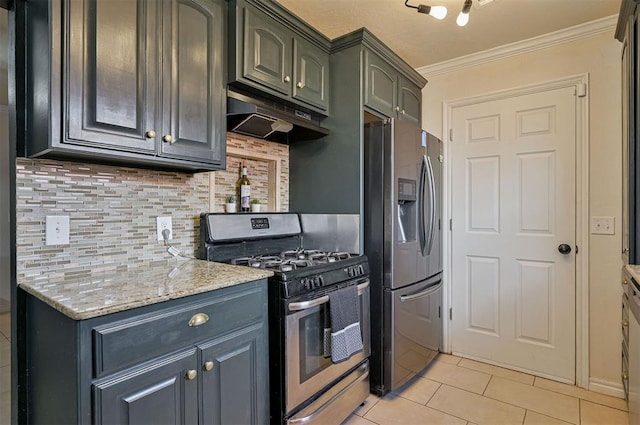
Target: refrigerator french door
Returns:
[[402, 238]]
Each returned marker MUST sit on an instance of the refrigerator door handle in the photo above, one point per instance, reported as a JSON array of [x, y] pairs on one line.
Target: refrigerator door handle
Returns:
[[432, 206], [422, 231], [429, 291]]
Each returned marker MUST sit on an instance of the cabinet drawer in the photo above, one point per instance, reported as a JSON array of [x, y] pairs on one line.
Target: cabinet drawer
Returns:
[[625, 319], [123, 343]]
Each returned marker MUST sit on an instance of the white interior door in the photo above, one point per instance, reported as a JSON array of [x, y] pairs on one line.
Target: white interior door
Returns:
[[513, 205]]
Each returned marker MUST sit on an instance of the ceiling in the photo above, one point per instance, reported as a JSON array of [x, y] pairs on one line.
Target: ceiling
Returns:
[[422, 40]]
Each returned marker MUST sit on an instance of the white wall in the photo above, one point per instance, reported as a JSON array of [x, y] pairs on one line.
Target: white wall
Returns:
[[599, 56]]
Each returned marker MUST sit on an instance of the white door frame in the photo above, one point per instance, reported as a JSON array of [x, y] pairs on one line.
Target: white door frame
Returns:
[[581, 83]]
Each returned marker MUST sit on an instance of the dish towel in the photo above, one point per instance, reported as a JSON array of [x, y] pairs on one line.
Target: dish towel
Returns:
[[346, 339]]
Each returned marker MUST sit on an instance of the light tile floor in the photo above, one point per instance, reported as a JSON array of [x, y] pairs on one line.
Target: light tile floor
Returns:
[[455, 391]]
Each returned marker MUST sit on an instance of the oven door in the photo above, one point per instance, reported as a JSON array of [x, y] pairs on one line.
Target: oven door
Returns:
[[308, 370]]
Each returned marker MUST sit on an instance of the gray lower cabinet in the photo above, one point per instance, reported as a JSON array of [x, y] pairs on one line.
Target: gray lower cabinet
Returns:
[[126, 82], [156, 393], [277, 54], [201, 359]]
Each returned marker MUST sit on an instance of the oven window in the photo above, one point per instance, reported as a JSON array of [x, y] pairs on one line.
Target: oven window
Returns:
[[313, 358]]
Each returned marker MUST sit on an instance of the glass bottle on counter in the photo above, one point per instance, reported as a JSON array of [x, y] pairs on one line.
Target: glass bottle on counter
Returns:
[[244, 190]]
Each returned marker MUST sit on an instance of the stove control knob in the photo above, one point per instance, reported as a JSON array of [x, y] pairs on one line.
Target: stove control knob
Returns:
[[360, 269], [316, 282], [350, 271], [321, 279], [308, 284]]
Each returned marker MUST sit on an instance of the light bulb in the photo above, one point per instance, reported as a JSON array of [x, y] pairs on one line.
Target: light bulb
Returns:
[[463, 19], [438, 12]]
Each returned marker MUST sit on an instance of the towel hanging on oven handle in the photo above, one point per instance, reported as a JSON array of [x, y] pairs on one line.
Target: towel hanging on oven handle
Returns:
[[304, 305]]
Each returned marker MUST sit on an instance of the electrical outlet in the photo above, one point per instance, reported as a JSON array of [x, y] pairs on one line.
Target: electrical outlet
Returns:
[[602, 226], [162, 224], [57, 230]]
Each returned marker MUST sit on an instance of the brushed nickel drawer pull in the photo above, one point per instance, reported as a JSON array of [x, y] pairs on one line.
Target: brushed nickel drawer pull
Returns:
[[191, 375], [198, 319], [208, 366]]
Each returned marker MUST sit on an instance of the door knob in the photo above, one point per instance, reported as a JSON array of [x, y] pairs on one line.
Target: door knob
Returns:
[[564, 248]]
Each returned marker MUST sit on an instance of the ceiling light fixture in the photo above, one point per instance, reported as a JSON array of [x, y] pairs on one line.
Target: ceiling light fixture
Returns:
[[438, 12], [463, 17]]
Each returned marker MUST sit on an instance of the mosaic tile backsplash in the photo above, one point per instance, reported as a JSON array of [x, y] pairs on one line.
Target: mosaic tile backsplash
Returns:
[[113, 211]]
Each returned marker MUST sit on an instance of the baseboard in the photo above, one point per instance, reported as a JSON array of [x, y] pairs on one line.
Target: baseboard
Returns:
[[603, 386]]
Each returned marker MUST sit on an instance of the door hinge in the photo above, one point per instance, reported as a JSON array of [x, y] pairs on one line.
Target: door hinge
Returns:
[[450, 224], [451, 134], [439, 312], [581, 90], [451, 313], [577, 249]]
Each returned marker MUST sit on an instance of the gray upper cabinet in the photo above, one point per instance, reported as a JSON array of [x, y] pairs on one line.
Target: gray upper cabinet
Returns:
[[266, 51], [117, 105], [311, 74], [369, 82], [390, 93], [277, 54], [128, 82], [194, 88]]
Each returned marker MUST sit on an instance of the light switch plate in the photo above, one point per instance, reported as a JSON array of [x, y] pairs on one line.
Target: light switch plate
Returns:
[[57, 230], [602, 225]]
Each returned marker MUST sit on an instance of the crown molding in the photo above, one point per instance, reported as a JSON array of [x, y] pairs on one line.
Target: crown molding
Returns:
[[520, 47]]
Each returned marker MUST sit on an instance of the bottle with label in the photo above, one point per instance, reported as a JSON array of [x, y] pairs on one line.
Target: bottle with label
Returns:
[[244, 190]]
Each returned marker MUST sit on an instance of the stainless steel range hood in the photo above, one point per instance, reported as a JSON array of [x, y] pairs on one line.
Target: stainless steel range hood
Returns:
[[265, 119]]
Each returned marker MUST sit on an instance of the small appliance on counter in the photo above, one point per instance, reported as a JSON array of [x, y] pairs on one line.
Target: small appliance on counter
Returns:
[[308, 384], [403, 241]]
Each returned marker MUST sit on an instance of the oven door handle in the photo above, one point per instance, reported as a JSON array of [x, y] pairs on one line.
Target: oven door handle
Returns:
[[305, 305]]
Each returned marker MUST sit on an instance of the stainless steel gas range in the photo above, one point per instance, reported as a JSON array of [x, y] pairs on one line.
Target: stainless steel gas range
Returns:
[[307, 387]]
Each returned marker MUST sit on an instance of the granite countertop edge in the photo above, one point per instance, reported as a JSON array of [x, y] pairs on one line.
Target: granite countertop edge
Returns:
[[634, 270], [148, 285]]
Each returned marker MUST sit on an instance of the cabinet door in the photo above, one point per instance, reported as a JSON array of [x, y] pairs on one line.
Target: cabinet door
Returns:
[[381, 87], [112, 74], [158, 392], [193, 93], [234, 390], [311, 74], [409, 100], [266, 51]]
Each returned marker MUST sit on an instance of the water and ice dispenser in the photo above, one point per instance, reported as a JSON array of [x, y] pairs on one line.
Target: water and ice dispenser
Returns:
[[407, 210]]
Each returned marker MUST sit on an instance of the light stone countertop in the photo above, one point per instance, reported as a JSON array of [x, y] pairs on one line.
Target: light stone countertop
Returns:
[[634, 270], [96, 294]]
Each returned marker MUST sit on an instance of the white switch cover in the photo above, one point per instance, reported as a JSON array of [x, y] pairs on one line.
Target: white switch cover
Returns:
[[602, 226], [57, 230]]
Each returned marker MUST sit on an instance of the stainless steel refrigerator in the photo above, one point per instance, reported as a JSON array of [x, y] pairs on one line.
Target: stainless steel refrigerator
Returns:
[[403, 240]]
